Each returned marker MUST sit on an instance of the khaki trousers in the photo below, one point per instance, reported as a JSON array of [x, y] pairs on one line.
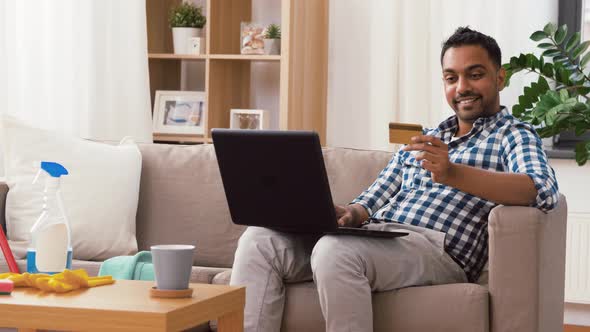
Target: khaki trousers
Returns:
[[346, 270]]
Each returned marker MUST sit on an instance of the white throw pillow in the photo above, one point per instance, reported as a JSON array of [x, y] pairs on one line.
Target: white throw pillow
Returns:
[[100, 193]]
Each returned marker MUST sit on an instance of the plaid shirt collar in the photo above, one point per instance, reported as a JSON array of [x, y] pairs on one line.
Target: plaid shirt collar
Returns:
[[448, 127]]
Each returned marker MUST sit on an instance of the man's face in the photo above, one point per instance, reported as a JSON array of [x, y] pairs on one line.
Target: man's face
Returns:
[[472, 82]]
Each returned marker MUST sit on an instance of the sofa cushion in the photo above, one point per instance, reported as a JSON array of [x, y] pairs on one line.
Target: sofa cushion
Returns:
[[351, 171], [453, 307], [442, 308], [100, 193], [182, 201]]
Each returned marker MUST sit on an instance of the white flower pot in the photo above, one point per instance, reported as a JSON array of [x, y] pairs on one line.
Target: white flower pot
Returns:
[[272, 46], [181, 36]]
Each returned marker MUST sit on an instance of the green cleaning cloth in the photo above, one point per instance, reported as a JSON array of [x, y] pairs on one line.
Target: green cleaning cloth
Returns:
[[138, 267]]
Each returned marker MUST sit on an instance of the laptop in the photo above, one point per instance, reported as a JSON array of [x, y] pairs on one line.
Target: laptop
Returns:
[[278, 180]]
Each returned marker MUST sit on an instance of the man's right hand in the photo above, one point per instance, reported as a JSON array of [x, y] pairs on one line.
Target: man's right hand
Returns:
[[350, 215]]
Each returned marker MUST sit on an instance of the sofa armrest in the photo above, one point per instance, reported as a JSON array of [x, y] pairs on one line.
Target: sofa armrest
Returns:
[[527, 268], [3, 192]]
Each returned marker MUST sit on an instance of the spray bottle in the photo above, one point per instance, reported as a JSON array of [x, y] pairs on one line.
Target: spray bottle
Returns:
[[50, 250]]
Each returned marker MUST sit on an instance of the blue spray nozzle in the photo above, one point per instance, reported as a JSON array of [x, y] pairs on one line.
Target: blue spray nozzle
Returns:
[[54, 169]]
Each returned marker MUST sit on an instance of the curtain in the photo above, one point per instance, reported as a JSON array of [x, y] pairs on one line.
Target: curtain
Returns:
[[76, 66], [384, 59]]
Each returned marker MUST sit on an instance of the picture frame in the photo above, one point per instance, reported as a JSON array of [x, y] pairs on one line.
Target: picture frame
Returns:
[[254, 119], [179, 112], [251, 38]]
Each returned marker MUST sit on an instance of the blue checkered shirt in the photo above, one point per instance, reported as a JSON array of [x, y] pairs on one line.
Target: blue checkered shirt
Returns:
[[404, 192]]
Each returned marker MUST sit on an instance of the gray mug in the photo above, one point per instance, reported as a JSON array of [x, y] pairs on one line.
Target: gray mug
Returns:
[[172, 265]]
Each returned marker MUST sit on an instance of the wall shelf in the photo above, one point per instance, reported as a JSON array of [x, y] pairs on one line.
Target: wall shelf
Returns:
[[168, 56], [303, 64], [245, 57]]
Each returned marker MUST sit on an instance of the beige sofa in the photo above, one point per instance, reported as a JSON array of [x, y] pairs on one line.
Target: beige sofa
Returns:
[[182, 201]]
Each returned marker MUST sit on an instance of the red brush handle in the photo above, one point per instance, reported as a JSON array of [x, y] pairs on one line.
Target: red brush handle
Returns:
[[8, 253]]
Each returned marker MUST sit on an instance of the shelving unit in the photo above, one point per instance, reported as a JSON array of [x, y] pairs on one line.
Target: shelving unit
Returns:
[[303, 63]]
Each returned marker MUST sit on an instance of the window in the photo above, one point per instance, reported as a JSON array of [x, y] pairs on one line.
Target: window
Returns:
[[576, 14]]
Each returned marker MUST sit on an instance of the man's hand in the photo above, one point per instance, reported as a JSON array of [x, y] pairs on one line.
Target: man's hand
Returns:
[[434, 156], [351, 215]]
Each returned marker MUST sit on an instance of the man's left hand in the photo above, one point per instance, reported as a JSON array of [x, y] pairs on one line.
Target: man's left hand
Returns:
[[434, 156]]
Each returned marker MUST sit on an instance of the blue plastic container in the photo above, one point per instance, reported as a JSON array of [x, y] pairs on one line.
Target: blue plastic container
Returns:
[[32, 266]]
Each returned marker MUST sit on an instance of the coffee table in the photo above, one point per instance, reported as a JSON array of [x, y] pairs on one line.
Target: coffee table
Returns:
[[123, 306]]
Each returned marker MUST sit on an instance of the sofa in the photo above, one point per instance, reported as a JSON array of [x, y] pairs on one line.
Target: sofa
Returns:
[[182, 201]]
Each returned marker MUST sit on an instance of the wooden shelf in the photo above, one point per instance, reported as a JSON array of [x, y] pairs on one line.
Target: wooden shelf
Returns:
[[168, 56], [245, 57], [181, 138], [302, 66]]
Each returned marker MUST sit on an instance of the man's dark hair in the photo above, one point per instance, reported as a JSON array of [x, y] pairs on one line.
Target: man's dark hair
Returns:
[[465, 36]]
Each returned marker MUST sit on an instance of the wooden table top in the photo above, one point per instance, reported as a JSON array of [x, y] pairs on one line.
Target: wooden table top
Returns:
[[125, 305]]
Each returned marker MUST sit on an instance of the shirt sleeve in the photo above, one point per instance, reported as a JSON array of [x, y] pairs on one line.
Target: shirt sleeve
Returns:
[[385, 186], [523, 153]]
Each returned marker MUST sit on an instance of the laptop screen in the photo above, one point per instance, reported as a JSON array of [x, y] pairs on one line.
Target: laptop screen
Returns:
[[275, 179]]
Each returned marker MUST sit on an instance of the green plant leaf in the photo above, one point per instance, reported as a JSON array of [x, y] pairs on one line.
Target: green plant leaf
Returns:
[[531, 61], [550, 29], [564, 75], [585, 60], [582, 152], [580, 129], [553, 98], [525, 101], [546, 45], [543, 85], [522, 60], [548, 70], [552, 114], [538, 35], [580, 49], [551, 53], [560, 58], [572, 42], [563, 95], [517, 110], [560, 34], [514, 63], [546, 132], [579, 107], [186, 15], [535, 90], [576, 76]]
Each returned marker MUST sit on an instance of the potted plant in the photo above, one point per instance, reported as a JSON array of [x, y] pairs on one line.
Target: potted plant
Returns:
[[272, 39], [186, 21], [559, 100]]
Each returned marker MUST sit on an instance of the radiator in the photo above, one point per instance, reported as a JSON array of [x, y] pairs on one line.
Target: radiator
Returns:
[[577, 261]]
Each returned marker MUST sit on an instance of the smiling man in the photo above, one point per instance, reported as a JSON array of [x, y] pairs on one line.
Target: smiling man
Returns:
[[440, 189]]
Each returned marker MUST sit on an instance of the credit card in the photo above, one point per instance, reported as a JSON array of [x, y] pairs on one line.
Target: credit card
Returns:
[[401, 133]]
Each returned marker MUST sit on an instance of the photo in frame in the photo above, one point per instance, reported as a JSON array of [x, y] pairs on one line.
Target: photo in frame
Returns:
[[248, 119], [251, 38], [179, 112]]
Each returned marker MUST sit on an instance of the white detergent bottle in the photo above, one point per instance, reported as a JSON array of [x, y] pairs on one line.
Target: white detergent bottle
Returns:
[[50, 250]]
